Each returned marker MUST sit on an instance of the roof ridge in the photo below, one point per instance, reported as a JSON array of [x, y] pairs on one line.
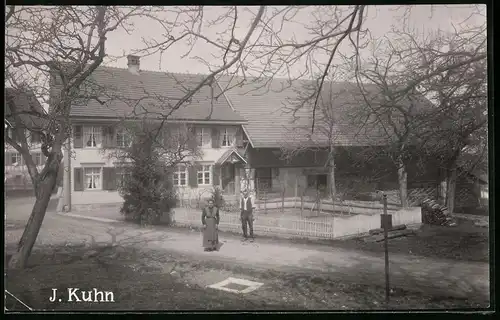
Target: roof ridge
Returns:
[[152, 71]]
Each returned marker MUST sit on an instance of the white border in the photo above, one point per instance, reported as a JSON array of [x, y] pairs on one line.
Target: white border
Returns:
[[252, 285]]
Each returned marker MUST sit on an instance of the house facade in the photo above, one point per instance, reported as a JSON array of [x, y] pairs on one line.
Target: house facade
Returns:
[[242, 135], [16, 173], [98, 129]]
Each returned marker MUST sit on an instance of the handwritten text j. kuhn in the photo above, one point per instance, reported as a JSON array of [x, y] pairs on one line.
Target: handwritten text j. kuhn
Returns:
[[78, 295]]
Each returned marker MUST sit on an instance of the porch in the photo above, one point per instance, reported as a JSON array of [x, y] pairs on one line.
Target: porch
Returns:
[[229, 174]]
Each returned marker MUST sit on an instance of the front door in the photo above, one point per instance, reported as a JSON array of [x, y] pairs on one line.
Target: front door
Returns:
[[227, 177]]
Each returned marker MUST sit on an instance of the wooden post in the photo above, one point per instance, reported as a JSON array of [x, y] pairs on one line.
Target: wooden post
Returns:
[[386, 248], [301, 204], [283, 200], [295, 193], [265, 203], [237, 181]]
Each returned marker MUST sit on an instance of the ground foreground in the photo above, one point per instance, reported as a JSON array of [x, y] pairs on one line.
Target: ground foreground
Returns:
[[154, 280], [165, 269]]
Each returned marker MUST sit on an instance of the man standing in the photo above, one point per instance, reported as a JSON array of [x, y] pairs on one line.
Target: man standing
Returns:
[[246, 215]]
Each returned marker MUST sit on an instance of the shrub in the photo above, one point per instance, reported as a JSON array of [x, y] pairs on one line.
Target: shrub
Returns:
[[147, 188], [217, 197]]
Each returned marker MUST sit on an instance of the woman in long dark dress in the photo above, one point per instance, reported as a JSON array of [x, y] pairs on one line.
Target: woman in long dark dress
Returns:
[[210, 220]]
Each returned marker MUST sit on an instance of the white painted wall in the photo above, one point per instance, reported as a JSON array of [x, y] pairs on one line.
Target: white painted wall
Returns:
[[95, 157]]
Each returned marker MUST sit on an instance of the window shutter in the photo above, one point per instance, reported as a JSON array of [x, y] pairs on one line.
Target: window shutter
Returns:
[[192, 141], [8, 158], [239, 137], [111, 137], [78, 177], [193, 176], [216, 174], [215, 138], [109, 178], [105, 137], [78, 137]]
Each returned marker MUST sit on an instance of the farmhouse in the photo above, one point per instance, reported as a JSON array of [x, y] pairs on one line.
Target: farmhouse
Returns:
[[245, 135], [31, 122]]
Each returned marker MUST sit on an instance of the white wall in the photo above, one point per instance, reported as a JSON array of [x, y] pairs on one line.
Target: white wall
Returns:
[[94, 157]]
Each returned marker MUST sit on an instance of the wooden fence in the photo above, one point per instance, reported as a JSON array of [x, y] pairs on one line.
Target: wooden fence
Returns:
[[334, 227]]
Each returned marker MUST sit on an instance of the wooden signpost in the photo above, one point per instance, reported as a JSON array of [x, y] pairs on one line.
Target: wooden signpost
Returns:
[[386, 225]]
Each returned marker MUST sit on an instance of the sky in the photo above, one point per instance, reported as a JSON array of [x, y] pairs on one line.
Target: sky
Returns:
[[380, 20]]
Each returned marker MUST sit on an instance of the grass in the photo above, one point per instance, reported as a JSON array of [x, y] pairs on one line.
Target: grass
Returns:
[[143, 280], [464, 242]]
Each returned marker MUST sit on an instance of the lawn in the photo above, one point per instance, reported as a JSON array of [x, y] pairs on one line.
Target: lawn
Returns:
[[463, 242]]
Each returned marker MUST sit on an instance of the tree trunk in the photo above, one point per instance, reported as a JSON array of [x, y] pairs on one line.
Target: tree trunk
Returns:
[[451, 184], [43, 195], [403, 183], [333, 190]]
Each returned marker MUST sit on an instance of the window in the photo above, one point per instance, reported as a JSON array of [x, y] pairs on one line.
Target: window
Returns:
[[204, 175], [180, 176], [484, 193], [123, 139], [199, 137], [228, 137], [16, 158], [11, 133], [37, 158], [202, 137], [92, 178], [92, 137]]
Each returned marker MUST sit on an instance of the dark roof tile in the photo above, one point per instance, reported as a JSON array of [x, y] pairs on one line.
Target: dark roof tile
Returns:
[[149, 94], [273, 121]]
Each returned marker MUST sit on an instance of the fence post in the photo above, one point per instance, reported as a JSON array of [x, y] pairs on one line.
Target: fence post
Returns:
[[265, 203], [301, 204], [295, 193], [318, 202], [283, 199]]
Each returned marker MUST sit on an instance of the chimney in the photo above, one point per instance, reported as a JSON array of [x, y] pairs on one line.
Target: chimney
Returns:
[[133, 64]]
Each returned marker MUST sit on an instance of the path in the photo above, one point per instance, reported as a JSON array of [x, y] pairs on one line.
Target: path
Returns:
[[431, 276]]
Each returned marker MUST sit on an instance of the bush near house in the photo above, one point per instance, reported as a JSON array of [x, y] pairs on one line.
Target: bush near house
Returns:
[[147, 188], [218, 198]]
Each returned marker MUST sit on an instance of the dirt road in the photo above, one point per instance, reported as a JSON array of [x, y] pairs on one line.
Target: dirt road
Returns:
[[433, 277]]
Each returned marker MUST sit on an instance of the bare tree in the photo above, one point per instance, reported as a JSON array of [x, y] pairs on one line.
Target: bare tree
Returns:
[[147, 160], [175, 143], [389, 101], [447, 69], [40, 42], [457, 134]]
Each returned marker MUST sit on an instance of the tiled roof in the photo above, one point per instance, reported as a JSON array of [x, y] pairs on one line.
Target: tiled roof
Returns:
[[24, 101], [127, 94], [268, 107]]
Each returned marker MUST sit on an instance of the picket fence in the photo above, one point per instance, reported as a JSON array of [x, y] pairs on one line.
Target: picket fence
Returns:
[[334, 227]]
